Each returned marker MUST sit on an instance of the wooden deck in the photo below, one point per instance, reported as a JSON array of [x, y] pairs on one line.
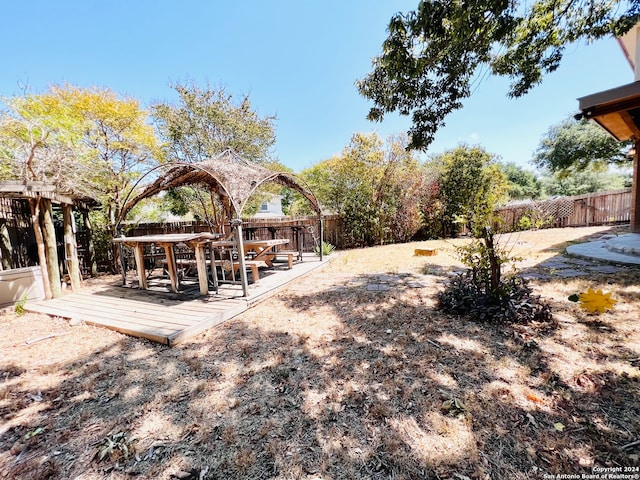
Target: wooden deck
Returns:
[[166, 317]]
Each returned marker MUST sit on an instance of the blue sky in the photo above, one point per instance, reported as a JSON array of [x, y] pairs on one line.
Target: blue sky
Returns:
[[296, 60]]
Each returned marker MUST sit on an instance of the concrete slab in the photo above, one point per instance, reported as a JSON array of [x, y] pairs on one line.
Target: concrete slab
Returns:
[[535, 276], [555, 263], [378, 287], [568, 273], [628, 244], [598, 250]]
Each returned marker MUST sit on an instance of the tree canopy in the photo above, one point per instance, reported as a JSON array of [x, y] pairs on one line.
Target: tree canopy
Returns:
[[584, 181], [472, 184], [431, 54], [523, 184], [202, 124], [574, 146], [376, 190], [86, 140], [206, 121]]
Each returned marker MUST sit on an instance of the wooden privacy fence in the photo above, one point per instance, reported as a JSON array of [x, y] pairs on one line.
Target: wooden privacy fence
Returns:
[[302, 232], [605, 208]]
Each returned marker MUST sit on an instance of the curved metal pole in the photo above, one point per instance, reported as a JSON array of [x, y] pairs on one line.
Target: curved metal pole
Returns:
[[237, 225], [133, 187], [321, 237]]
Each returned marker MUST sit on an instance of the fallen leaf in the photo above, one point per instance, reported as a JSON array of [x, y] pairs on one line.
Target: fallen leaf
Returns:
[[597, 301], [34, 433], [559, 426], [534, 398]]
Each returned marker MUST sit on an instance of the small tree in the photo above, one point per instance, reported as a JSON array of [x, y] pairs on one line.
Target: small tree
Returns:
[[484, 293], [471, 186], [475, 185]]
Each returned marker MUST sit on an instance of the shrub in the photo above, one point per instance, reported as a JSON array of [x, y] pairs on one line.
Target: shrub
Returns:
[[482, 293], [327, 248], [19, 305], [524, 223], [512, 302]]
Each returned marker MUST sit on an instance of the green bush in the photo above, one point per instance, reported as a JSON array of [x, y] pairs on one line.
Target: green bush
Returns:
[[524, 223], [19, 305]]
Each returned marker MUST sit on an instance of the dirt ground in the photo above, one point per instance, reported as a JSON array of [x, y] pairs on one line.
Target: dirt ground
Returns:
[[331, 379]]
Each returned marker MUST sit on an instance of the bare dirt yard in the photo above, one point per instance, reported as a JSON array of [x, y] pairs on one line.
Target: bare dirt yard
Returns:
[[349, 373]]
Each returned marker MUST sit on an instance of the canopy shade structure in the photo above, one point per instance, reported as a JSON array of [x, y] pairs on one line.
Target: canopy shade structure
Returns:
[[233, 179], [616, 110], [230, 176]]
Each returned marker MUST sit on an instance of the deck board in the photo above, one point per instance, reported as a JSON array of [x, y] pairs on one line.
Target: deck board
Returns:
[[164, 317], [69, 309], [143, 311]]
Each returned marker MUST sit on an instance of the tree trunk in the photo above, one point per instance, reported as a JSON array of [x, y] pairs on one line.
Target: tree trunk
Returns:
[[91, 248], [42, 256], [6, 250], [70, 248], [51, 247], [494, 261]]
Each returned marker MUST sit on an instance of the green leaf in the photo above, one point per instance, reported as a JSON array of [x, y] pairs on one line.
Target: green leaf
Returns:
[[34, 433]]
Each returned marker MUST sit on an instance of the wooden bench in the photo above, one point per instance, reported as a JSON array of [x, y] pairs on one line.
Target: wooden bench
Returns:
[[189, 264], [290, 254], [255, 274], [186, 265]]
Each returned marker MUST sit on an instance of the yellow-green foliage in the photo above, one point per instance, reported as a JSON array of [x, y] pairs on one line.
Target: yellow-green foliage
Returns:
[[88, 140]]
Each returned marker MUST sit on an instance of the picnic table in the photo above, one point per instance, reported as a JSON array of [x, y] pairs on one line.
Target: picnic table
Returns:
[[259, 250], [195, 241]]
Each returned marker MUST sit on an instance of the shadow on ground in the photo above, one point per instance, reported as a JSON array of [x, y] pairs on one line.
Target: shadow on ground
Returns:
[[341, 381]]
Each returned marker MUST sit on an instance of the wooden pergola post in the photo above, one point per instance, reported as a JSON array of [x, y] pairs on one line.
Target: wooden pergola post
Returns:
[[50, 246], [237, 225], [6, 250], [34, 204], [321, 226], [70, 247], [91, 248]]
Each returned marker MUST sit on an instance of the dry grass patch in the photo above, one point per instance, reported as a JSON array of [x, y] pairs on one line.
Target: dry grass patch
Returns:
[[338, 383]]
